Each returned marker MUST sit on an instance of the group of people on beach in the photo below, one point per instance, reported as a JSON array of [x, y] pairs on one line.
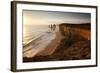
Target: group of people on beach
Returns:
[[52, 27]]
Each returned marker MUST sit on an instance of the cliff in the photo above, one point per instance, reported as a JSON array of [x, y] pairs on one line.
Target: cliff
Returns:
[[75, 44]]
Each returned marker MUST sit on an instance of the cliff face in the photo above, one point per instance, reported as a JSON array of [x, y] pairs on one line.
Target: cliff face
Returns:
[[75, 44], [83, 29]]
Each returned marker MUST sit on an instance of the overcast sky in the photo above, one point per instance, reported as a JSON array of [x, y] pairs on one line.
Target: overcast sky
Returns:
[[51, 17]]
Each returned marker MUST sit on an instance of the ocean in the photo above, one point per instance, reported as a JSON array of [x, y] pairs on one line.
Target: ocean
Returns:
[[31, 32]]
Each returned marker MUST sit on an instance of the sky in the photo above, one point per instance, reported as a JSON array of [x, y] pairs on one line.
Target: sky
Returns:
[[32, 17]]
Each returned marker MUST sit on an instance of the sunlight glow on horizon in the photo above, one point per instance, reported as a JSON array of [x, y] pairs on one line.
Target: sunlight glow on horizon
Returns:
[[49, 17]]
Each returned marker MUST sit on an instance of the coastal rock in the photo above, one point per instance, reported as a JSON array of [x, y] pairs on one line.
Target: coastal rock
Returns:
[[74, 44]]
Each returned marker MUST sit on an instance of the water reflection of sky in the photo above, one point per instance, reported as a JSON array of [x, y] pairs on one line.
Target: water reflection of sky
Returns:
[[51, 17]]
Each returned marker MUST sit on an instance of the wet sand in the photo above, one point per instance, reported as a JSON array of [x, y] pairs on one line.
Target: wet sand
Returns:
[[50, 49], [38, 45]]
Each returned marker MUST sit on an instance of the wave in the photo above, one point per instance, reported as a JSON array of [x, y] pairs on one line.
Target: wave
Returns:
[[32, 40]]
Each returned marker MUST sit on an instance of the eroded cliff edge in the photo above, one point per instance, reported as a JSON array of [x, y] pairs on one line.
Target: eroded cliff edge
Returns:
[[75, 44]]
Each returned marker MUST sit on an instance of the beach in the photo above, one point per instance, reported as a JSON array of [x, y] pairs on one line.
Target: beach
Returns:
[[45, 43]]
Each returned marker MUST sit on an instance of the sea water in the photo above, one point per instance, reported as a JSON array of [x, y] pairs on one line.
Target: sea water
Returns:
[[31, 32]]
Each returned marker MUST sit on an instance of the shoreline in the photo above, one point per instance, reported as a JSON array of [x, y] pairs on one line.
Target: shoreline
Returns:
[[70, 46], [50, 49]]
